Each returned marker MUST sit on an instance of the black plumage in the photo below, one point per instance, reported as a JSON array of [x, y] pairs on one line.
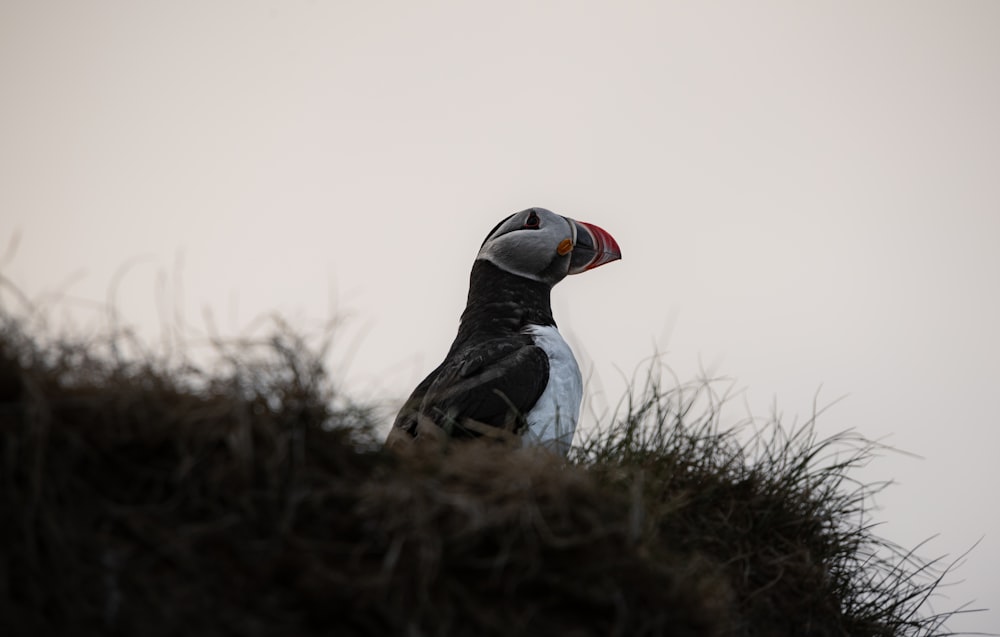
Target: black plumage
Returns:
[[493, 373]]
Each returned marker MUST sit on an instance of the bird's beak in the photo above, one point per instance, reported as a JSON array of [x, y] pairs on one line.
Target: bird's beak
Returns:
[[592, 247]]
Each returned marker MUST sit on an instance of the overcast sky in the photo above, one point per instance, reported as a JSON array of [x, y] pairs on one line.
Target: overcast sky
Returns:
[[807, 194]]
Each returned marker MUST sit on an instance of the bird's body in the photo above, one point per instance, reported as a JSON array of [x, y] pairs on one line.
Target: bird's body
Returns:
[[509, 373]]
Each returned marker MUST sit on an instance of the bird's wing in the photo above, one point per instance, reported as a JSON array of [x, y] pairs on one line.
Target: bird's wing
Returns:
[[493, 383]]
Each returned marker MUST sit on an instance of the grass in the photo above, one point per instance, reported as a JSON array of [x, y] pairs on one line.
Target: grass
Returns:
[[777, 507], [144, 498]]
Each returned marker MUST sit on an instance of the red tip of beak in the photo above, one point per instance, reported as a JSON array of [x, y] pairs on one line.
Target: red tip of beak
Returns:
[[605, 245]]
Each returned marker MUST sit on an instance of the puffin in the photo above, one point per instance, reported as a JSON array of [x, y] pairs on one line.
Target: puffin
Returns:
[[509, 375]]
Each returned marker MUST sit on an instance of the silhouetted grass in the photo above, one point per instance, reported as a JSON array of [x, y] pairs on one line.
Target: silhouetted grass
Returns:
[[141, 498], [776, 507]]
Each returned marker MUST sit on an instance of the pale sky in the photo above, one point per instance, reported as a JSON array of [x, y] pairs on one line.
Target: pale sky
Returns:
[[807, 194]]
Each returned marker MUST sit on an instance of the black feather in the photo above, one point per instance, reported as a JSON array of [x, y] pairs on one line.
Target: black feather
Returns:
[[495, 383], [493, 373]]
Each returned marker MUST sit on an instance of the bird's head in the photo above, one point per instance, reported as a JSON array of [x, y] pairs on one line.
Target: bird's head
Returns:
[[540, 245]]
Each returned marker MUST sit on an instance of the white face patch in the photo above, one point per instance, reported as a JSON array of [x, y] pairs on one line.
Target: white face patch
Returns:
[[528, 251]]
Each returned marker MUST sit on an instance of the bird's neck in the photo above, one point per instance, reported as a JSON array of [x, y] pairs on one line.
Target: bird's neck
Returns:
[[501, 303]]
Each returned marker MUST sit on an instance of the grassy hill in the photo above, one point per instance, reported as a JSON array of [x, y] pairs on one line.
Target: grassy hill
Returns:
[[138, 498]]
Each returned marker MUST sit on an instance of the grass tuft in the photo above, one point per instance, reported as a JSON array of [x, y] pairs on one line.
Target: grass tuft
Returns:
[[777, 508], [139, 497]]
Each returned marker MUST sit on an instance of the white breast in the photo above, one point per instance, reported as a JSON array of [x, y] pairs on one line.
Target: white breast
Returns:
[[552, 421]]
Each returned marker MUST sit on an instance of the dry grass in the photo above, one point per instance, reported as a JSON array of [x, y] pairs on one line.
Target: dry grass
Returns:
[[138, 499]]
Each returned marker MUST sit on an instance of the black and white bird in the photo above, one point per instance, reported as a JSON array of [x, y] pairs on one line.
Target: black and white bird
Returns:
[[509, 373]]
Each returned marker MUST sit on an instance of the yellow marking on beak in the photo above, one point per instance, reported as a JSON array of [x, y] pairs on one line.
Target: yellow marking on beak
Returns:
[[565, 246]]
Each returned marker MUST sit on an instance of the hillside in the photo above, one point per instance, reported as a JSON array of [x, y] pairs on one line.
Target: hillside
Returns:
[[145, 498]]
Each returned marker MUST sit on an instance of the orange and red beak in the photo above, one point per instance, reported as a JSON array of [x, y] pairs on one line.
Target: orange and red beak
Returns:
[[593, 247]]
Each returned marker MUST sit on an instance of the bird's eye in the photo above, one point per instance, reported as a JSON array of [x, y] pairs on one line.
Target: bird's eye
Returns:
[[532, 221]]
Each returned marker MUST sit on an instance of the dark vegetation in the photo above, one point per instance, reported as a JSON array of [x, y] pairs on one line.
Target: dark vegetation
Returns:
[[138, 498]]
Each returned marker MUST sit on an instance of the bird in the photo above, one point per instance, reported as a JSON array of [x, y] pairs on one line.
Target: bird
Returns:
[[509, 374]]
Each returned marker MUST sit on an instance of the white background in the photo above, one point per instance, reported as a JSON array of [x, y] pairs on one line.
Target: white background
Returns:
[[806, 195]]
